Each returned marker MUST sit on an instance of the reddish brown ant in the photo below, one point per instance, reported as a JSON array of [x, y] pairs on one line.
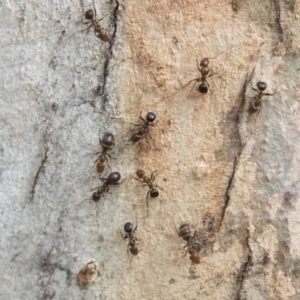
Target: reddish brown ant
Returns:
[[194, 243], [153, 192], [91, 16], [107, 144], [132, 245], [112, 179], [194, 247], [143, 129], [255, 104], [205, 73]]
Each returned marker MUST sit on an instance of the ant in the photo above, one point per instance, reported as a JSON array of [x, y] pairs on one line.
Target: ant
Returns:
[[255, 104], [153, 192], [128, 228], [113, 178], [193, 248], [193, 244], [205, 73], [89, 15], [107, 144], [143, 130]]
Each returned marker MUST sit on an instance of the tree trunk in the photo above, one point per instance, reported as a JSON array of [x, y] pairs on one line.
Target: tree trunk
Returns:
[[231, 175]]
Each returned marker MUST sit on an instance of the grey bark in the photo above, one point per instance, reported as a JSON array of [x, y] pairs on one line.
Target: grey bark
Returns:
[[62, 87]]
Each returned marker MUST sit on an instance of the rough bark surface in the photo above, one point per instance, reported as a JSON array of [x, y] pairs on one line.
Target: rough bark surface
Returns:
[[62, 87]]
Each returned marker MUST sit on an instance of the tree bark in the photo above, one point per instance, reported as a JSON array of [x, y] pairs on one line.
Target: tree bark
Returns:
[[233, 177]]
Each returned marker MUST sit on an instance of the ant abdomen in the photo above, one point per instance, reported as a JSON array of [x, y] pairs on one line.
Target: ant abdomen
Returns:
[[154, 193]]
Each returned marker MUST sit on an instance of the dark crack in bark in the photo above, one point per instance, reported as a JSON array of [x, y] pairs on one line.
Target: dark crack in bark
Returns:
[[277, 20], [110, 51], [234, 5], [48, 269], [39, 171], [244, 269], [239, 144]]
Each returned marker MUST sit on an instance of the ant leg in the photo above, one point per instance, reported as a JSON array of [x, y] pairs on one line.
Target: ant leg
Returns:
[[94, 189], [192, 88], [102, 179], [256, 117], [130, 261], [208, 86], [216, 55], [142, 181], [87, 28], [134, 229], [97, 210], [124, 237], [196, 79], [183, 248], [142, 117], [267, 94], [255, 89], [96, 159], [147, 198], [186, 251], [198, 65], [89, 176], [153, 175], [154, 185], [81, 202]]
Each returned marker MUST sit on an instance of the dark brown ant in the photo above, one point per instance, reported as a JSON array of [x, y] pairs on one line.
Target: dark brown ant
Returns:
[[128, 228], [255, 104], [112, 179], [107, 144], [205, 73], [91, 16], [153, 192], [143, 129]]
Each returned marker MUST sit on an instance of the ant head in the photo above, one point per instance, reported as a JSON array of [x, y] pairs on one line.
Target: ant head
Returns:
[[150, 117], [108, 140], [140, 173], [113, 177], [204, 62], [261, 85], [89, 14], [154, 193], [203, 89], [184, 232], [128, 227], [96, 196]]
